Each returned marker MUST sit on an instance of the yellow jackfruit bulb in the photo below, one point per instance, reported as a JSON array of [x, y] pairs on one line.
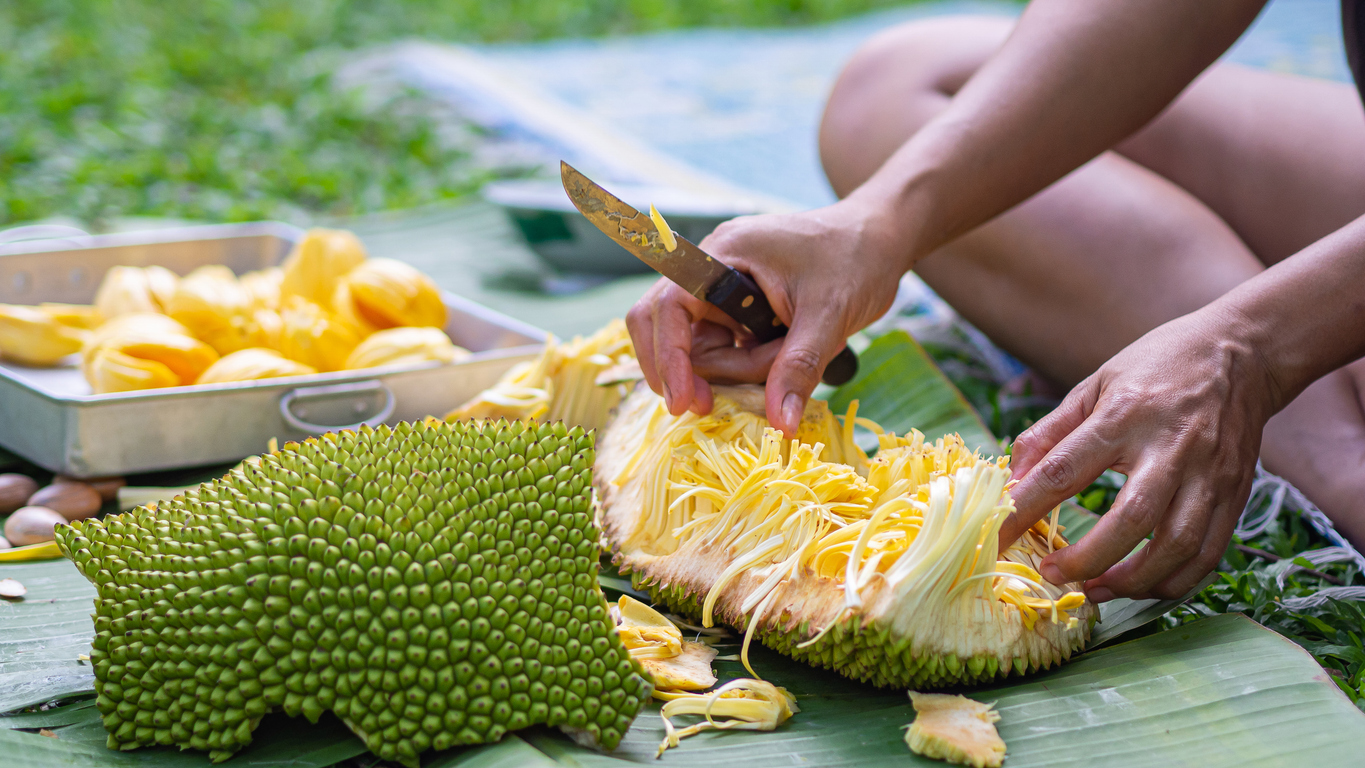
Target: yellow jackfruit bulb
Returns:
[[213, 305], [161, 283], [318, 261], [263, 287], [657, 643], [32, 337], [251, 364], [114, 371], [150, 337], [383, 293], [404, 346], [75, 315], [314, 336], [955, 729], [125, 291]]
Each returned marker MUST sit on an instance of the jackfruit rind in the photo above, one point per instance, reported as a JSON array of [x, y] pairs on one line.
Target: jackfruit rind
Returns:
[[433, 585], [869, 568]]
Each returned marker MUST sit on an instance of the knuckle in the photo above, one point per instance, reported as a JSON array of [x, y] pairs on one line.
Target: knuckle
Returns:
[[1184, 544], [1056, 473], [803, 361]]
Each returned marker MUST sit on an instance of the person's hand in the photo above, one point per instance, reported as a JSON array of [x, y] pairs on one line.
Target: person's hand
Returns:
[[1180, 412], [827, 273]]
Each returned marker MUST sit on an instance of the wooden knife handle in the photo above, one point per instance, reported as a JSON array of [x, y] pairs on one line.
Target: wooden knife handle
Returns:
[[739, 297]]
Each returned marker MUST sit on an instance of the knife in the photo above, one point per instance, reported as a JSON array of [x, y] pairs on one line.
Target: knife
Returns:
[[707, 278]]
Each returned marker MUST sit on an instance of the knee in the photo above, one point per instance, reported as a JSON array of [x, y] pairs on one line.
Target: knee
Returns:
[[895, 83]]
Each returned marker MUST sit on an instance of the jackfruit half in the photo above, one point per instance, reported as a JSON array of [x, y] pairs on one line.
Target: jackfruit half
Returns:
[[433, 585], [884, 570]]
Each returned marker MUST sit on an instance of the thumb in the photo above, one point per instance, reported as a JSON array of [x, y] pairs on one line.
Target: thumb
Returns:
[[806, 350]]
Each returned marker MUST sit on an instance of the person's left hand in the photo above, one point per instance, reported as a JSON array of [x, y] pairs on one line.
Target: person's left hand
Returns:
[[1180, 412]]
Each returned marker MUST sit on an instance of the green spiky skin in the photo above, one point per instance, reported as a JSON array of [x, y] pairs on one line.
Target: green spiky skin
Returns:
[[854, 648], [433, 585]]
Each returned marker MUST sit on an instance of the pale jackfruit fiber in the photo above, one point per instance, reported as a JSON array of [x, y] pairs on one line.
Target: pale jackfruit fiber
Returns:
[[384, 293], [135, 351], [883, 570], [405, 346], [32, 337], [129, 290], [315, 336], [955, 729], [578, 381], [252, 364], [433, 585], [317, 262]]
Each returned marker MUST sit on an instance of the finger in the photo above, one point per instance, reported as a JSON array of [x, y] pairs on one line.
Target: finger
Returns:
[[735, 365], [703, 400], [1066, 469], [640, 323], [1222, 524], [804, 352], [1035, 442], [1141, 505], [1178, 537], [673, 315]]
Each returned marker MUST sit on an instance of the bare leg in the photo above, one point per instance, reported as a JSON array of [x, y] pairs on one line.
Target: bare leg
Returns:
[[1071, 276]]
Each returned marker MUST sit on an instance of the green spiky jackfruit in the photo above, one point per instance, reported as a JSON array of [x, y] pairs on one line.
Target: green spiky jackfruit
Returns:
[[433, 585]]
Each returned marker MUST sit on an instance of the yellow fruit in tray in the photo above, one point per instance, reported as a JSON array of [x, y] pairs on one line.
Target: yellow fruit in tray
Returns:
[[112, 371], [129, 290], [314, 336], [263, 287], [32, 337], [75, 315], [252, 364], [383, 293], [213, 305], [404, 346], [317, 262]]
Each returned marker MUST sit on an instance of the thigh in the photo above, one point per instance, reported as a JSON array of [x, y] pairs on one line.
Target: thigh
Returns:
[[1280, 158]]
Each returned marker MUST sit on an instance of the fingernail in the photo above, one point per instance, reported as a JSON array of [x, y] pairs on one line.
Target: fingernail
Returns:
[[1052, 573], [668, 396], [792, 408], [1100, 594]]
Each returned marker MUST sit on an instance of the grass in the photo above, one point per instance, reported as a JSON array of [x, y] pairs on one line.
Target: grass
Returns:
[[226, 110]]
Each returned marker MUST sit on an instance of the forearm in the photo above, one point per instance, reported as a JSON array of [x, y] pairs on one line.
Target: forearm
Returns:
[[1074, 78], [1302, 318]]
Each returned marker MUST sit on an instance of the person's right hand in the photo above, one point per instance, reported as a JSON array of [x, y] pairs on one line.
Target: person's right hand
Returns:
[[827, 273]]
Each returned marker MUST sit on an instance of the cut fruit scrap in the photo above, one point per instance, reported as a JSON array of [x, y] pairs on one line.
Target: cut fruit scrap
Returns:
[[561, 384], [884, 570], [955, 729], [665, 232], [739, 705], [432, 584], [657, 643]]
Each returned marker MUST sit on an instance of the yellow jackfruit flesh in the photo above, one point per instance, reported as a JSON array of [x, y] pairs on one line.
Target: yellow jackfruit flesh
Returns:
[[251, 364], [263, 287], [75, 315], [159, 342], [110, 370], [383, 293], [955, 729], [30, 336], [404, 346], [213, 305], [561, 384], [657, 643], [739, 705], [314, 336], [874, 568], [433, 585], [317, 262], [129, 290]]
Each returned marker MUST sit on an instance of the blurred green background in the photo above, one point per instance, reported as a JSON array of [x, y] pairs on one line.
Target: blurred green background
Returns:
[[227, 110]]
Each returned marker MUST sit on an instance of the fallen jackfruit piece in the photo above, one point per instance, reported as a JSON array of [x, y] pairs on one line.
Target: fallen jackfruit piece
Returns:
[[657, 643], [314, 336], [130, 290], [561, 384], [383, 293], [404, 346], [743, 705], [30, 336], [317, 262], [433, 585], [955, 729], [110, 370], [884, 570], [251, 364]]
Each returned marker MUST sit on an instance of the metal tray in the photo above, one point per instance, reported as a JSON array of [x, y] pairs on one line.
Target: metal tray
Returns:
[[49, 416]]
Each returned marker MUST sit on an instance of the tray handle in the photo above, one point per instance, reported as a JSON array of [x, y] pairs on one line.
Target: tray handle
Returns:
[[333, 391]]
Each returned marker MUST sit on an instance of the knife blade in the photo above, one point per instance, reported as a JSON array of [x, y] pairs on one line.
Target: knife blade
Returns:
[[693, 269]]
